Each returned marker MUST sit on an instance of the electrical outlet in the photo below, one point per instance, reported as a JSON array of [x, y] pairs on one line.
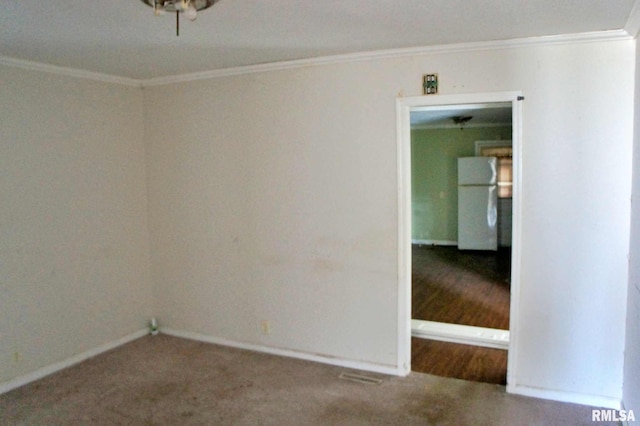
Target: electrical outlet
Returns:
[[265, 326]]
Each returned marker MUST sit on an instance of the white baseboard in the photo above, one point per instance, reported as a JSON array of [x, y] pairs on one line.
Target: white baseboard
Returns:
[[347, 363], [435, 242], [574, 398], [53, 368]]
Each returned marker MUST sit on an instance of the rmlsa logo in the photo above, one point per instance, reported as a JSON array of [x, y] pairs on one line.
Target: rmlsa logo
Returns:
[[603, 415]]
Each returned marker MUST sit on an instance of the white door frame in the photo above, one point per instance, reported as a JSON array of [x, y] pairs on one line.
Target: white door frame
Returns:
[[403, 111]]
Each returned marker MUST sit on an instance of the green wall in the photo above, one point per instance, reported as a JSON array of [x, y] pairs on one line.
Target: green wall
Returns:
[[434, 171]]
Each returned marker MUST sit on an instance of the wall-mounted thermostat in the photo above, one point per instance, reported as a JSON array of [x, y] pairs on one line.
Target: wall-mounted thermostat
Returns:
[[430, 84]]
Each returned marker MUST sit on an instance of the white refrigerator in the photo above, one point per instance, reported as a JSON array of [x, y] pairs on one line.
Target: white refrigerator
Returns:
[[477, 203]]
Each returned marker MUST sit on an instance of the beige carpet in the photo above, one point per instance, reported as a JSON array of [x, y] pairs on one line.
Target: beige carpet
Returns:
[[164, 380]]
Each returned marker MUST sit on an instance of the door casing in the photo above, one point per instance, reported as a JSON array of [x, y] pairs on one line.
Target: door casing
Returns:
[[404, 106]]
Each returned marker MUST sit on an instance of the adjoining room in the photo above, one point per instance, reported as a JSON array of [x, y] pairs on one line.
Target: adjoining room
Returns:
[[462, 188]]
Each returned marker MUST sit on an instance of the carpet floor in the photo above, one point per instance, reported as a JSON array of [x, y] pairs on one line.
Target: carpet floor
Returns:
[[166, 380]]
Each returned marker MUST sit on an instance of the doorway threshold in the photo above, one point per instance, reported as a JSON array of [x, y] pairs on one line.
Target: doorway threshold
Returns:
[[457, 333]]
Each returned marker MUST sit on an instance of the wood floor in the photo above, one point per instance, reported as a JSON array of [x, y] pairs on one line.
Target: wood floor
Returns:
[[473, 363], [460, 287]]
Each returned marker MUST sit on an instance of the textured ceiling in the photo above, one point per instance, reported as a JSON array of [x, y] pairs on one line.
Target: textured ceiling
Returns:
[[124, 38]]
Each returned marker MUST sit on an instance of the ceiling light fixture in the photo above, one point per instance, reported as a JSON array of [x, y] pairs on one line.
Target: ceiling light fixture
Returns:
[[461, 120], [190, 8]]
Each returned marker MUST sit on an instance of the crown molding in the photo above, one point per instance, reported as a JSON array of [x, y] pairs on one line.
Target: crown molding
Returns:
[[69, 72], [597, 36], [632, 27], [628, 33]]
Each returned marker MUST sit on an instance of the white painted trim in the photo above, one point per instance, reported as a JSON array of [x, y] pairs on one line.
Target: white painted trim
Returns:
[[457, 333], [632, 26], [596, 36], [435, 242], [516, 242], [403, 111], [562, 396], [341, 362], [464, 100], [403, 133], [490, 144], [54, 368], [69, 72], [588, 37]]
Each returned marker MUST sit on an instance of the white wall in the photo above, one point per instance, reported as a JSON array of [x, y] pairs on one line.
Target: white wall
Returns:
[[273, 197], [74, 255], [577, 144], [632, 349], [265, 204]]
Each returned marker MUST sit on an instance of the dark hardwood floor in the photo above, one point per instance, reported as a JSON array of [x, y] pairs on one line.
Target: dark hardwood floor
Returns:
[[466, 362], [460, 287]]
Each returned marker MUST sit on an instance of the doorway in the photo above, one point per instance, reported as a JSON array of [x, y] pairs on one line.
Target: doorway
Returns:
[[446, 108]]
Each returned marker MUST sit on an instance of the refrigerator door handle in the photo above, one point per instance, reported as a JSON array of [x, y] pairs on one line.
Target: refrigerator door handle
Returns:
[[492, 207]]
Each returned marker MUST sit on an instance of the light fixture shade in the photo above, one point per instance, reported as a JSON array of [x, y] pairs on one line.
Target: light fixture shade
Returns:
[[189, 8], [191, 12], [179, 5]]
